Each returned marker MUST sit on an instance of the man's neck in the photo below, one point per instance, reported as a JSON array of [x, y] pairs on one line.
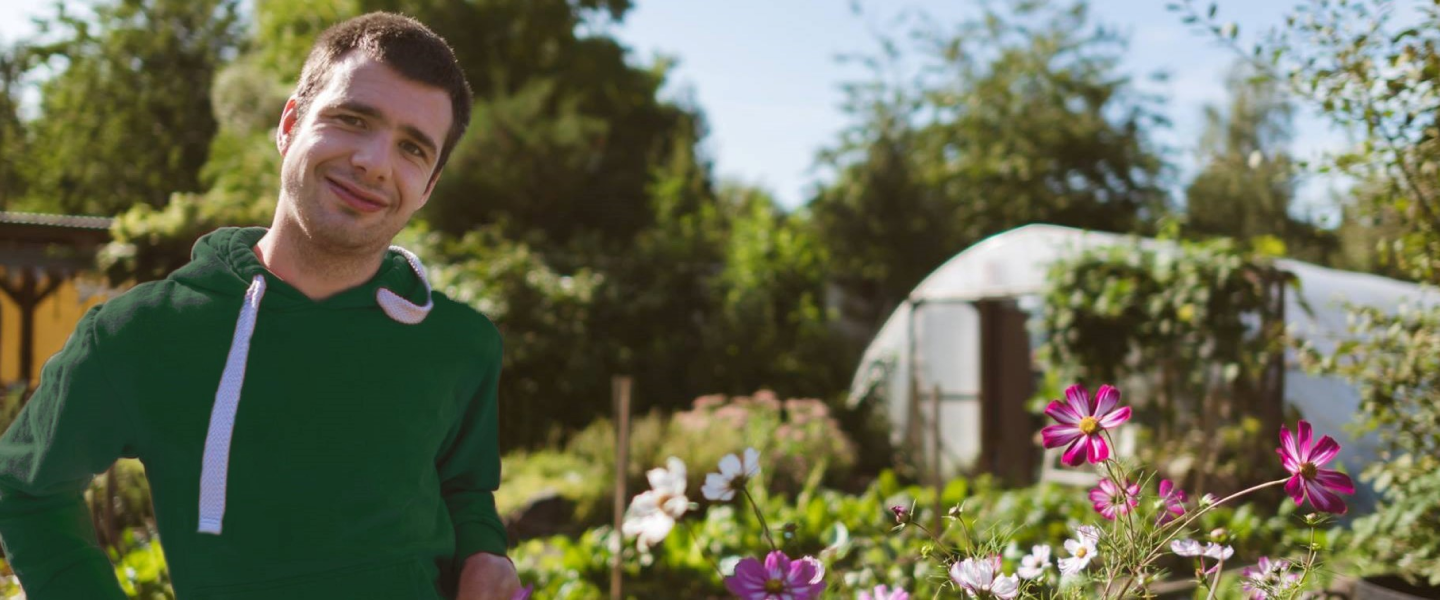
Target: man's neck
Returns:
[[317, 273]]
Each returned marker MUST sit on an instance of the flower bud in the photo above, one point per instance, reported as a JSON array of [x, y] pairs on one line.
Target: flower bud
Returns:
[[902, 514]]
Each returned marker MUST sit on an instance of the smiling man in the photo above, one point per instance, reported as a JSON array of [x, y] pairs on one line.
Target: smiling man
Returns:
[[314, 421]]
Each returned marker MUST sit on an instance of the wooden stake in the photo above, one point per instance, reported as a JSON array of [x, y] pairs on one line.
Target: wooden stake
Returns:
[[620, 392], [936, 479]]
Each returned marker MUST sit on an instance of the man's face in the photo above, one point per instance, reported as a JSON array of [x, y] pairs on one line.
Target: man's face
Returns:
[[360, 161]]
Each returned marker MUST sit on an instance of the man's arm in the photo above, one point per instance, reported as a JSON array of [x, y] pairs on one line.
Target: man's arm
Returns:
[[73, 427], [470, 467]]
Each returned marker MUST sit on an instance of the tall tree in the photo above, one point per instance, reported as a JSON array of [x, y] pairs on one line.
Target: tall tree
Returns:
[[1247, 186], [122, 124], [1017, 116], [14, 63]]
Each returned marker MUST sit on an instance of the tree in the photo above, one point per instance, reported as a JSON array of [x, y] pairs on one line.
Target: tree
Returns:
[[1016, 116], [1247, 187], [14, 63], [143, 61]]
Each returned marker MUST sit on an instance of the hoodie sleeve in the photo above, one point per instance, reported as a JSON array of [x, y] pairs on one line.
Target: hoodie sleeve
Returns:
[[73, 427], [470, 467]]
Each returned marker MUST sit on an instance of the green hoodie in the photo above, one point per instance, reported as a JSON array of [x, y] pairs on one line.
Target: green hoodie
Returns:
[[344, 448]]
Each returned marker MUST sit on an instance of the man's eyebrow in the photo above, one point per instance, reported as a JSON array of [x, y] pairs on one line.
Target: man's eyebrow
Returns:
[[374, 113]]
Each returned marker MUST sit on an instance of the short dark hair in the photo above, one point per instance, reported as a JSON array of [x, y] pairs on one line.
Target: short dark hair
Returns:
[[403, 44]]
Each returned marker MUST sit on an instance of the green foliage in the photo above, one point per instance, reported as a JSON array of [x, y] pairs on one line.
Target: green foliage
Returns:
[[143, 574], [15, 61], [855, 535], [145, 59], [1193, 327], [1017, 116], [1247, 187], [1392, 360], [1359, 67], [802, 439]]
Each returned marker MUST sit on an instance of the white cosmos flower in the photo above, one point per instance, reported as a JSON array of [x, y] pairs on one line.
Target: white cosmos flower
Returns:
[[652, 514], [979, 576], [1082, 550], [1033, 565], [1186, 547], [1218, 552], [734, 472]]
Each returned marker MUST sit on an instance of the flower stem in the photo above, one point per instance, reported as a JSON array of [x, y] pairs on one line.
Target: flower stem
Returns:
[[1215, 585], [765, 528], [695, 541], [1180, 525]]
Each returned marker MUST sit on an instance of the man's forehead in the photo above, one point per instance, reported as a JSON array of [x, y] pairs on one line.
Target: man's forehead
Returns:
[[359, 79]]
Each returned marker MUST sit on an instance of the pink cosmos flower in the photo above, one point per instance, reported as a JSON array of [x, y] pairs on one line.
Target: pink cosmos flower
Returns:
[[883, 593], [524, 593], [778, 579], [1082, 420], [1308, 480], [1110, 500], [1174, 498]]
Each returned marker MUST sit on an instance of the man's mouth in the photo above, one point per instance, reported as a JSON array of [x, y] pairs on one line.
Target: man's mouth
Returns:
[[356, 198]]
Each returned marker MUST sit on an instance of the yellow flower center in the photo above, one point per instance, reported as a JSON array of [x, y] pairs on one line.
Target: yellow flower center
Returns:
[[1308, 470], [1081, 552], [1089, 425], [774, 586]]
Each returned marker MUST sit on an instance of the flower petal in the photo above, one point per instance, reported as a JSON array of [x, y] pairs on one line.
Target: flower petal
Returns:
[[1302, 441], [1063, 413], [1335, 480], [1079, 400], [1054, 436], [752, 462], [1075, 454], [1105, 399], [1287, 448], [730, 466], [1323, 500], [1296, 489], [1116, 418], [1324, 450], [1099, 450]]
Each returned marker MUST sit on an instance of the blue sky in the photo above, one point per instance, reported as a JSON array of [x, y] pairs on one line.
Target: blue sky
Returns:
[[764, 72]]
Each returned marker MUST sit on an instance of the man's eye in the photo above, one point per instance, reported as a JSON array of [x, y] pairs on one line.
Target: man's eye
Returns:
[[350, 120], [413, 149]]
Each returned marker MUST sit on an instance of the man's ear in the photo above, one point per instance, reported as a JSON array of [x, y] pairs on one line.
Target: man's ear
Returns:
[[284, 133]]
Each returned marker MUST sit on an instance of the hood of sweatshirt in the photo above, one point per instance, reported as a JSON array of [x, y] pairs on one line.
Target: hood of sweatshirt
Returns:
[[224, 262]]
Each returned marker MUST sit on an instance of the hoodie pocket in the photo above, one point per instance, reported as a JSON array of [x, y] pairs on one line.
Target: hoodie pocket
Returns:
[[405, 578]]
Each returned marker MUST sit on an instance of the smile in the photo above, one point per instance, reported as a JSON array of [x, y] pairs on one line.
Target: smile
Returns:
[[357, 200]]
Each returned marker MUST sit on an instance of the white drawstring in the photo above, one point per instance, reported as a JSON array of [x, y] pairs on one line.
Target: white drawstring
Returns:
[[215, 464], [396, 306]]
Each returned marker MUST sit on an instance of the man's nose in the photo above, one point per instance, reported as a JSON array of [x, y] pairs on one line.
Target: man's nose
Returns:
[[372, 158]]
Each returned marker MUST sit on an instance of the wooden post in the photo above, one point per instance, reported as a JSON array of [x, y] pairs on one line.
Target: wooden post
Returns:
[[620, 392], [937, 480], [26, 298]]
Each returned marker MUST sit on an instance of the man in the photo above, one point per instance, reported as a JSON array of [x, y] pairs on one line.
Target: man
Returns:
[[313, 420]]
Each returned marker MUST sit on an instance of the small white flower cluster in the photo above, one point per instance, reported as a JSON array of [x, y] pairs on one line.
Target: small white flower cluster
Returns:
[[653, 513], [982, 578], [1191, 548]]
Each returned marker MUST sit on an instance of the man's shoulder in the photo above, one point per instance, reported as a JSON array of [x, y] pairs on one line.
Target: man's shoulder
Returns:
[[464, 320], [153, 303]]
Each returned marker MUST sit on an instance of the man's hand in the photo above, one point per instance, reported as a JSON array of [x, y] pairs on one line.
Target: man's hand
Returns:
[[488, 577]]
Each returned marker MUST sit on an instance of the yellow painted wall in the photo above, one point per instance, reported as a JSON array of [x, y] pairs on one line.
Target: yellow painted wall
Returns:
[[55, 319]]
